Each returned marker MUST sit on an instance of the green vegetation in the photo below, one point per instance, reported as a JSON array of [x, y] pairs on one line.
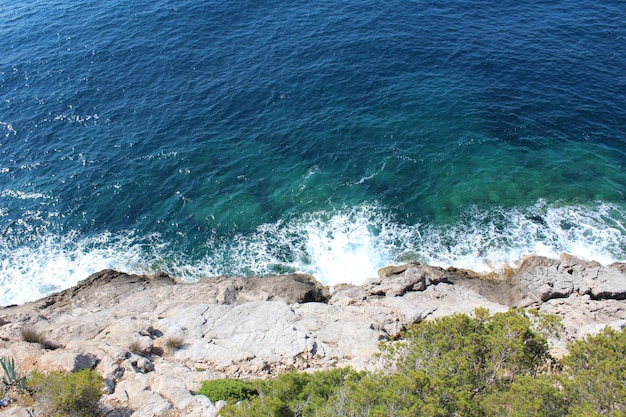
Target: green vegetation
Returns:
[[291, 394], [231, 390], [484, 365], [594, 375], [56, 394], [12, 377], [75, 394]]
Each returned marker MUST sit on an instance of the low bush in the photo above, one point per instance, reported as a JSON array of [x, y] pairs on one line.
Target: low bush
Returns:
[[73, 395], [229, 390], [290, 394]]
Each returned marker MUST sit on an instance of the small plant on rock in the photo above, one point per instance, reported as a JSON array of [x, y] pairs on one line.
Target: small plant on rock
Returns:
[[12, 377], [174, 343], [136, 347], [31, 335]]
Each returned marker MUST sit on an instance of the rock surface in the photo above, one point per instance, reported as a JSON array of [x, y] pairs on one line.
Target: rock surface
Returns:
[[154, 339]]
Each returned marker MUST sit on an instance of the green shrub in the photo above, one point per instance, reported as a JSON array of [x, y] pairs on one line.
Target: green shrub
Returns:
[[292, 394], [74, 395], [298, 393], [377, 395], [458, 359], [594, 374], [229, 390], [527, 396]]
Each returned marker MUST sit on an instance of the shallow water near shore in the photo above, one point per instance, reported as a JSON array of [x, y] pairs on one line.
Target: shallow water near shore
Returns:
[[208, 138]]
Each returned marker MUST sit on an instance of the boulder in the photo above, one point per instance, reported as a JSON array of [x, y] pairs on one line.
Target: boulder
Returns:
[[66, 361], [608, 283], [134, 393], [395, 281]]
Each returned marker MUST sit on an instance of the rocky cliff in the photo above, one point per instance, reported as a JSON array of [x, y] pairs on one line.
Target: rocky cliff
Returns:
[[155, 339]]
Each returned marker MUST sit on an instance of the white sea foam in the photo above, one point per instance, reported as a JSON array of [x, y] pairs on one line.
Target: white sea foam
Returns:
[[85, 120], [9, 129], [349, 246], [22, 195], [55, 263], [491, 241], [346, 246]]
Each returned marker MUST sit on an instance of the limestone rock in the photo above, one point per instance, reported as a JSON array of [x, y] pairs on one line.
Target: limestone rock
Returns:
[[105, 288], [583, 315], [608, 283], [111, 371], [66, 361], [25, 354], [17, 412], [135, 391], [140, 363], [396, 281], [538, 279], [154, 339]]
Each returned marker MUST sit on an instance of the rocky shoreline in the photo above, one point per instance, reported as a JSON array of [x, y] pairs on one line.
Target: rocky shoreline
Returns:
[[154, 339]]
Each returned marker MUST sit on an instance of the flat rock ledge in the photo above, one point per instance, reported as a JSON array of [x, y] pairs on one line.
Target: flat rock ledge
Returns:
[[154, 339]]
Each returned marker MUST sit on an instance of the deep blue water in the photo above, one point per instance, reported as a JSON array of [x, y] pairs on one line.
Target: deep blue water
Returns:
[[203, 138]]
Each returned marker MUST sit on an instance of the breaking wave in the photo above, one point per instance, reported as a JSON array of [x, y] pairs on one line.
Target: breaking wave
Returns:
[[344, 246]]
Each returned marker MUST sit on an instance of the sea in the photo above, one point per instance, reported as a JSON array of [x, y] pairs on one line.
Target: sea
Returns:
[[236, 138]]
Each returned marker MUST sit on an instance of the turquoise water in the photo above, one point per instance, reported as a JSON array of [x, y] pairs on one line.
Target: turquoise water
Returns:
[[212, 138]]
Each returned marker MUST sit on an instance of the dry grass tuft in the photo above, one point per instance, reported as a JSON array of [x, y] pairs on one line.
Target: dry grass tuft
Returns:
[[173, 343], [31, 335], [136, 347]]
